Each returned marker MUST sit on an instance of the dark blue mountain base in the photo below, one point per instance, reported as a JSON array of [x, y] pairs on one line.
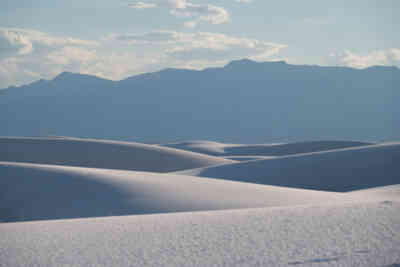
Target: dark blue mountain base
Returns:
[[243, 102]]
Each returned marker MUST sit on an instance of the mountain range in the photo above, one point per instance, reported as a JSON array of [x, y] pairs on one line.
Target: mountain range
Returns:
[[244, 100]]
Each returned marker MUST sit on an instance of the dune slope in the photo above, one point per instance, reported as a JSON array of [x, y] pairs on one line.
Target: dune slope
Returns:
[[338, 170], [35, 192], [232, 150], [389, 193], [357, 234], [102, 154]]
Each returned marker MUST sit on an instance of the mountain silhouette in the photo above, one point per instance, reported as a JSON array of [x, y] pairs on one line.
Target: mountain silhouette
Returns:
[[240, 102]]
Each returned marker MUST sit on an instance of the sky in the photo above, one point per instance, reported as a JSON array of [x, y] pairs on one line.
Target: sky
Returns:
[[117, 39]]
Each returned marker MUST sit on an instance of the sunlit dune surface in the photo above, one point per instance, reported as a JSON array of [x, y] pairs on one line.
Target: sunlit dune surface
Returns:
[[358, 234]]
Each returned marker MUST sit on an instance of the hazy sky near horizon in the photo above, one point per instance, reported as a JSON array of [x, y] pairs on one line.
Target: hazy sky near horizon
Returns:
[[117, 39]]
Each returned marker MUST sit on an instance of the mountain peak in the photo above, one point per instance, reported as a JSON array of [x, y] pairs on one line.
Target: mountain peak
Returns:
[[63, 75], [240, 62], [77, 77]]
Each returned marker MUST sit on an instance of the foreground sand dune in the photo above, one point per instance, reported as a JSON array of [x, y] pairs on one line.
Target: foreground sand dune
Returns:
[[102, 154], [357, 234], [338, 170], [86, 212], [387, 192], [33, 192], [231, 150]]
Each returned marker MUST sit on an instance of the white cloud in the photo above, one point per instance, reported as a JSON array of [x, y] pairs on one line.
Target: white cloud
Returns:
[[14, 42], [244, 1], [69, 54], [178, 4], [142, 5], [195, 12], [13, 72], [32, 55], [26, 55], [190, 24], [394, 54], [208, 13], [204, 45], [147, 38], [377, 57]]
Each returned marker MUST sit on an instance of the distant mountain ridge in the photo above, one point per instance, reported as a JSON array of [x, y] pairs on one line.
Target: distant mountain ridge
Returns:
[[235, 64], [244, 101]]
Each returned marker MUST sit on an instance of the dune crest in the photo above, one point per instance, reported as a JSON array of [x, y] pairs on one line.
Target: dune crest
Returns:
[[336, 170], [37, 192], [260, 150], [102, 154]]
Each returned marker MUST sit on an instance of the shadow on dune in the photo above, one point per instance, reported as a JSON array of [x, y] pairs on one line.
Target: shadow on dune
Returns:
[[102, 154], [291, 148], [339, 171], [34, 194], [40, 192]]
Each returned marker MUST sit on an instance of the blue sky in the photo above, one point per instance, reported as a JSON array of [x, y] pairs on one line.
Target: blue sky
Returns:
[[117, 39]]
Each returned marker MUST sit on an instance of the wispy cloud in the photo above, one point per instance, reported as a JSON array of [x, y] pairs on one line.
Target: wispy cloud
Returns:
[[204, 45], [377, 57], [146, 38], [142, 5], [195, 13], [244, 1], [15, 42]]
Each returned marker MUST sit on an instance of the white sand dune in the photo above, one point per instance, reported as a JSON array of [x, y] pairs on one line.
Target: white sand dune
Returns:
[[336, 170], [102, 154], [281, 149], [235, 224], [357, 234], [34, 192], [247, 158], [205, 147], [389, 193]]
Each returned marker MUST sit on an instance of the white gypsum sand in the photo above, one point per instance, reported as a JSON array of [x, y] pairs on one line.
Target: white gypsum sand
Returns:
[[338, 170], [33, 192], [341, 234], [259, 150], [102, 154], [55, 214]]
